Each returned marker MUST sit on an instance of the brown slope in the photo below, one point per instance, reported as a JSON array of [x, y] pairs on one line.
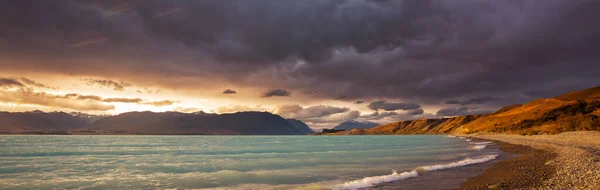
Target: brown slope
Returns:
[[573, 111], [587, 94]]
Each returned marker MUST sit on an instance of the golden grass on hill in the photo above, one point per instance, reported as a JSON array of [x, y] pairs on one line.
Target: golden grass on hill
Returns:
[[574, 111]]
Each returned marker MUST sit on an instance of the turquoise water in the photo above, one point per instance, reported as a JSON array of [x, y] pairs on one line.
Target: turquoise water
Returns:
[[229, 162]]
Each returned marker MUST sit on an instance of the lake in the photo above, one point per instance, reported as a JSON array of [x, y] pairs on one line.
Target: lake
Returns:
[[228, 162]]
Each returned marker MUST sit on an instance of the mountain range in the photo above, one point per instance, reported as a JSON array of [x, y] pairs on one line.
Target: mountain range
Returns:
[[175, 123], [573, 111]]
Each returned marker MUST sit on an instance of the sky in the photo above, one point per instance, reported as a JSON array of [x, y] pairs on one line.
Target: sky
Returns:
[[323, 62]]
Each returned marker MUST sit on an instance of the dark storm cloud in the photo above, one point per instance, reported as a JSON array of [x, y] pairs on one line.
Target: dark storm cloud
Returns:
[[115, 85], [460, 111], [416, 112], [359, 102], [276, 92], [378, 115], [341, 97], [229, 91], [430, 50], [390, 106], [298, 112], [478, 100]]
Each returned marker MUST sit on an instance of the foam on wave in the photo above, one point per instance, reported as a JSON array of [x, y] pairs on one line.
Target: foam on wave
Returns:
[[478, 147], [481, 143], [374, 180]]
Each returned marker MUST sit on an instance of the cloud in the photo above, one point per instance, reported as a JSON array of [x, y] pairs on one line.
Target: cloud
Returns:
[[9, 83], [378, 115], [334, 118], [478, 100], [31, 82], [318, 116], [24, 96], [123, 100], [83, 97], [161, 103], [389, 106], [117, 86], [100, 99], [118, 100], [460, 111], [186, 109], [359, 102], [288, 109], [341, 97], [416, 112], [229, 91], [239, 108], [276, 92], [298, 112], [427, 51]]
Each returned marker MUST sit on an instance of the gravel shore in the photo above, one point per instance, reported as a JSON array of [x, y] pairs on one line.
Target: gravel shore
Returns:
[[576, 164]]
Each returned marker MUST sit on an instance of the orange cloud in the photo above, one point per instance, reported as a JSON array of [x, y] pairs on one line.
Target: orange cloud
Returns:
[[27, 96], [161, 103], [123, 100], [118, 86]]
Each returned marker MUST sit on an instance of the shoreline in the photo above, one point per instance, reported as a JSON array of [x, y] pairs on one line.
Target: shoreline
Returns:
[[568, 160], [525, 168], [516, 167]]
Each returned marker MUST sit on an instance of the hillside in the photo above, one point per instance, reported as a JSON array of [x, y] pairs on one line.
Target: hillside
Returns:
[[587, 94], [38, 121], [421, 126], [301, 126], [349, 125], [241, 123], [574, 111]]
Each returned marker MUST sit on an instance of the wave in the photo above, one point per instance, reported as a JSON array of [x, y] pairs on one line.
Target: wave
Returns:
[[370, 181], [452, 136], [477, 147], [374, 180], [481, 143]]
